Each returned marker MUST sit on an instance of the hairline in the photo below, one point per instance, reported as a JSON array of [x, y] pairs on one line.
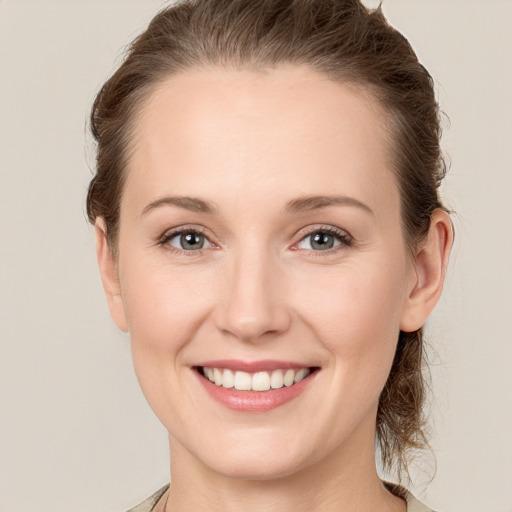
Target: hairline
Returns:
[[371, 95]]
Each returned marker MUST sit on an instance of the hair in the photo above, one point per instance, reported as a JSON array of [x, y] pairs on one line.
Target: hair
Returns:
[[341, 39]]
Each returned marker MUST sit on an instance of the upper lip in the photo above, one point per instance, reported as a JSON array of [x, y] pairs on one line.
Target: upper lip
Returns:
[[253, 366]]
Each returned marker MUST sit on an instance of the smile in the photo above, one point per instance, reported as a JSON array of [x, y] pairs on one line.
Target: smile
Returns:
[[258, 381], [254, 387]]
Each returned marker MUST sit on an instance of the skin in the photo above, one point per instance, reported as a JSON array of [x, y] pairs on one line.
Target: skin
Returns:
[[250, 144]]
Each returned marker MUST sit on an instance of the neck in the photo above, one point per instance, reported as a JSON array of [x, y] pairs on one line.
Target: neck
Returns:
[[346, 480]]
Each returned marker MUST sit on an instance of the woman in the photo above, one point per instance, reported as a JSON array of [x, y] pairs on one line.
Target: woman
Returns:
[[270, 234]]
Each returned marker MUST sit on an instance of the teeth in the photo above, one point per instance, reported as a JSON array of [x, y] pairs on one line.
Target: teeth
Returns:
[[300, 374], [209, 373], [288, 378], [276, 379], [259, 381], [228, 379], [243, 381]]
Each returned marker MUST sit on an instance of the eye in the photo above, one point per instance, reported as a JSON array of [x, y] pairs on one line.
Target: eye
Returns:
[[187, 240], [324, 239]]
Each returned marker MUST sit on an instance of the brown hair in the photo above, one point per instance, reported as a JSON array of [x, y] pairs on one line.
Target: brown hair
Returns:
[[341, 39]]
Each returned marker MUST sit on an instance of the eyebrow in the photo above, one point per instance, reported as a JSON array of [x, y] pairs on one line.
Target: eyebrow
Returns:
[[301, 204], [188, 203], [305, 204]]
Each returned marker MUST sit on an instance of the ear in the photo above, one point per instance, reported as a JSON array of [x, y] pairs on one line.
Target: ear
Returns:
[[430, 265], [109, 276]]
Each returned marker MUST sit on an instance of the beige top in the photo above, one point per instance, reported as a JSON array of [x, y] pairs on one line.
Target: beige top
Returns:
[[413, 505]]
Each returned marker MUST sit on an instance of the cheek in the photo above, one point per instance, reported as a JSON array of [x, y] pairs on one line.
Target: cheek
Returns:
[[355, 311], [164, 305], [165, 308]]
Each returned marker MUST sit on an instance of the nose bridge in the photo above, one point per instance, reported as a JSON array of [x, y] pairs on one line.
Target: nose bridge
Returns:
[[254, 302]]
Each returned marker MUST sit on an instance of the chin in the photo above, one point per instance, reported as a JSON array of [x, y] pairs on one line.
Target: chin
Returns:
[[256, 467], [250, 454]]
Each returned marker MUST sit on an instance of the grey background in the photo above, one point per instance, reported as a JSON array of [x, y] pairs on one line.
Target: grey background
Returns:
[[75, 432]]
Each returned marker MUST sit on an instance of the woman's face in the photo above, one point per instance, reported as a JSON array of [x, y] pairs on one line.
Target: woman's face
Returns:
[[260, 234]]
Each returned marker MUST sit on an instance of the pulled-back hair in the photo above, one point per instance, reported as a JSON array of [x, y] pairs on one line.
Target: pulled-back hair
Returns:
[[340, 39]]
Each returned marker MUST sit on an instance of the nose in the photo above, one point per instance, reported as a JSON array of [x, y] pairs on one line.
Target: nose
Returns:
[[253, 304]]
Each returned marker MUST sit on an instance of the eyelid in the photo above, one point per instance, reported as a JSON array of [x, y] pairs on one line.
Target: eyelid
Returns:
[[345, 238], [178, 230]]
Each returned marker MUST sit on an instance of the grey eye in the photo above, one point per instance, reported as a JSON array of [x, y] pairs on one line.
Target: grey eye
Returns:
[[320, 241], [189, 241]]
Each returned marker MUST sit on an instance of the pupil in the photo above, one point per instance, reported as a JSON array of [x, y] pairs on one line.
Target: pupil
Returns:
[[192, 241], [322, 241]]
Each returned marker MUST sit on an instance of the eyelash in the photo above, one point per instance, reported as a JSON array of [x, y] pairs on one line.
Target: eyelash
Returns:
[[168, 236], [342, 236]]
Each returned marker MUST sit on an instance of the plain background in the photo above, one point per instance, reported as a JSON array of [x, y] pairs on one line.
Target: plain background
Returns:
[[75, 432]]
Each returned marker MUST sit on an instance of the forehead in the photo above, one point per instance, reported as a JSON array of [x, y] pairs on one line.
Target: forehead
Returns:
[[222, 130]]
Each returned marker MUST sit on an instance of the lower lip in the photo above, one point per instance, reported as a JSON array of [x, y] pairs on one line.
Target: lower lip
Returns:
[[254, 401]]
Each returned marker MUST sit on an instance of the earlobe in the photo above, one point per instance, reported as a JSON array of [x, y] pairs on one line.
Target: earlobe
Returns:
[[109, 276], [430, 265]]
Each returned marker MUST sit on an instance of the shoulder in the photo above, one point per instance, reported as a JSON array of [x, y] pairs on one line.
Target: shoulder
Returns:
[[413, 504], [148, 505]]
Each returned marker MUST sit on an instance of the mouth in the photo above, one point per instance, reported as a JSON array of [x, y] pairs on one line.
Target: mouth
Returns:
[[255, 381], [258, 387]]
